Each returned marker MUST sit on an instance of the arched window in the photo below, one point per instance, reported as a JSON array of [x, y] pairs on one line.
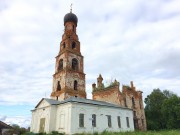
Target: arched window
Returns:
[[75, 64], [73, 45], [133, 102], [125, 104], [60, 64], [75, 85], [58, 86], [64, 45]]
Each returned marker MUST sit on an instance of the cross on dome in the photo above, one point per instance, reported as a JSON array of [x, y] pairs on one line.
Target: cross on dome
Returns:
[[71, 7]]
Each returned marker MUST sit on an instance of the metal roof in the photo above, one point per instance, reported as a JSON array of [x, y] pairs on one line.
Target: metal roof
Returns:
[[83, 101], [52, 101], [70, 17]]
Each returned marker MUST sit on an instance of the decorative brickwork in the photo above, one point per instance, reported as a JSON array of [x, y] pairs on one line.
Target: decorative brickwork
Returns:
[[129, 97]]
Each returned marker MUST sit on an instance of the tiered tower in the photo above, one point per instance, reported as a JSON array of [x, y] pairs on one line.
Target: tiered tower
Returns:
[[69, 77]]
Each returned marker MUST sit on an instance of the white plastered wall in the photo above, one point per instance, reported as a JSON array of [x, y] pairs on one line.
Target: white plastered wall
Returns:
[[63, 118], [101, 118], [44, 110]]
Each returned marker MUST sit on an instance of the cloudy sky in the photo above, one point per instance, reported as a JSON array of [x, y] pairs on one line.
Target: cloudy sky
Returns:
[[128, 40]]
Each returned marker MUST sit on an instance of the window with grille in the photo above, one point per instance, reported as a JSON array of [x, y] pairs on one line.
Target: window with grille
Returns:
[[109, 120], [127, 121], [81, 120], [94, 120], [119, 121]]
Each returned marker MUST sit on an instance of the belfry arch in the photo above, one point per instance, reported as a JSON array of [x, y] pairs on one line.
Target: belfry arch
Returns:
[[75, 64]]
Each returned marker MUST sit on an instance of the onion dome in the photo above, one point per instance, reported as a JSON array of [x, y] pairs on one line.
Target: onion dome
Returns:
[[70, 17]]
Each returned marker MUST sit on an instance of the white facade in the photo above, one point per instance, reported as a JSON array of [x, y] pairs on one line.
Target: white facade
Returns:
[[64, 116]]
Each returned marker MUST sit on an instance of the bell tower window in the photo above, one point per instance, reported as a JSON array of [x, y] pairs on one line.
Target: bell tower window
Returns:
[[75, 85], [75, 64], [73, 45], [60, 64], [64, 45], [58, 86]]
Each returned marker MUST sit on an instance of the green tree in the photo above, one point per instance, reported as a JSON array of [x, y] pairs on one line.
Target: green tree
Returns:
[[162, 110], [168, 93], [153, 111], [171, 112]]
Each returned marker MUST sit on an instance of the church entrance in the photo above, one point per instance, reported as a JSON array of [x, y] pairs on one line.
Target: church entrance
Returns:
[[42, 125]]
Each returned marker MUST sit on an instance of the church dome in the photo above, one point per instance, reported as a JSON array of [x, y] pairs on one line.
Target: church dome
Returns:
[[70, 17]]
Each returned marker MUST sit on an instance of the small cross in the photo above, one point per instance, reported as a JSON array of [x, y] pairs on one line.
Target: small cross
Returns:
[[71, 7]]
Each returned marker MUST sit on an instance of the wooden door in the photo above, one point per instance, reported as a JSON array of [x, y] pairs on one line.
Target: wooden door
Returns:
[[42, 125]]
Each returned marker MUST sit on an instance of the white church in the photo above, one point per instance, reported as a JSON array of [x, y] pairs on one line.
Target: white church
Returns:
[[68, 110]]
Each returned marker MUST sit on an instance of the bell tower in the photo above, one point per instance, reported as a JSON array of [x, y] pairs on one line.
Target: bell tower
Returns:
[[69, 77]]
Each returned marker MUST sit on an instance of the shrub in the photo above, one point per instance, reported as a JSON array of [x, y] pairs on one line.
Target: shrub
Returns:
[[30, 133], [56, 133]]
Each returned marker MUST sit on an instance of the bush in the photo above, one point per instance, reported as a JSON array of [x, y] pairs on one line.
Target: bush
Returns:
[[30, 133], [56, 133], [52, 133]]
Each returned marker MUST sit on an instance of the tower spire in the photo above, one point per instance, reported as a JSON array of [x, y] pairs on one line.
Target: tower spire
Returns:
[[71, 8]]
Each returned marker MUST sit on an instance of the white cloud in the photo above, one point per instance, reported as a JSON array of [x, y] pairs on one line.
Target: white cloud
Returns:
[[22, 121], [2, 118]]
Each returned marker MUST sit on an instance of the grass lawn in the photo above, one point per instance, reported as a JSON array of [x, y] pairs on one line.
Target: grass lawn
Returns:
[[163, 132]]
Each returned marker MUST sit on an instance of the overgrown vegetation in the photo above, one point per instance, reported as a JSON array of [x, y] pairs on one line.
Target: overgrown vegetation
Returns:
[[162, 110], [127, 87]]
